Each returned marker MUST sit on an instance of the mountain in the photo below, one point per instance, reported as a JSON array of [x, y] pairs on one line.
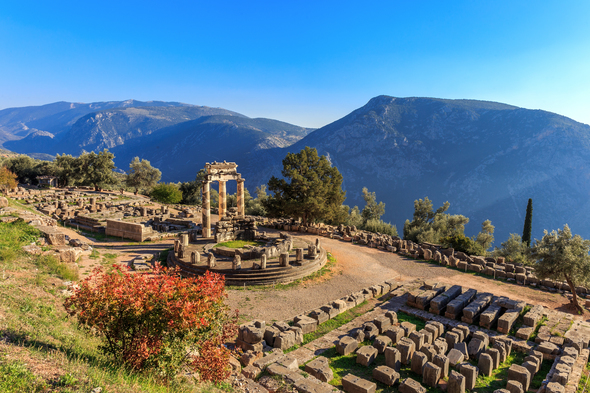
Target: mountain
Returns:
[[179, 151], [107, 128], [58, 117], [485, 158]]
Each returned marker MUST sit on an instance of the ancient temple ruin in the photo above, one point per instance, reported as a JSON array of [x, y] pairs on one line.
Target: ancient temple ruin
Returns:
[[220, 172]]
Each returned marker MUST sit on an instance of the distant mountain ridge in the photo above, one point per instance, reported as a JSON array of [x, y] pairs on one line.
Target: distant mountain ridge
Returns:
[[57, 117], [485, 158], [101, 125], [181, 150]]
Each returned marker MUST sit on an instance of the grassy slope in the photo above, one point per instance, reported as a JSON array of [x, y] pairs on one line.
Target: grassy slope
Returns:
[[40, 347]]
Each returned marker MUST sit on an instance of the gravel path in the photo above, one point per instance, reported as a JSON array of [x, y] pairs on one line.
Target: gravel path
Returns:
[[359, 267]]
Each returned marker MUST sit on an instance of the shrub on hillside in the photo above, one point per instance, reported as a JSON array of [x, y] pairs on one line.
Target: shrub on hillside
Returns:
[[464, 244], [156, 321], [166, 193], [379, 226], [514, 250]]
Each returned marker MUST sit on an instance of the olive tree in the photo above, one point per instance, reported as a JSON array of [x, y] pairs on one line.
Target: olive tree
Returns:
[[559, 255], [141, 174]]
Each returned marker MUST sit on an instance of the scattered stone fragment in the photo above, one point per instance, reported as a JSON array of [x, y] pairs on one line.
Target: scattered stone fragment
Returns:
[[392, 358], [418, 361], [455, 357], [353, 384], [320, 368], [386, 375], [366, 355], [346, 345], [411, 386], [431, 374], [456, 383]]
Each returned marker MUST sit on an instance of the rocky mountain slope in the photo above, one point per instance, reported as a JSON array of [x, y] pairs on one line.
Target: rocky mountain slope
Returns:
[[58, 117], [485, 158], [181, 150], [108, 128]]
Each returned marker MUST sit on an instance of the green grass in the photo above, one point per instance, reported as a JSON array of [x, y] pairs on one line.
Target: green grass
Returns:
[[96, 235], [540, 376], [163, 259], [51, 265], [238, 244], [342, 365], [109, 259], [42, 349], [536, 332], [582, 386], [15, 377], [497, 380], [13, 236], [403, 317]]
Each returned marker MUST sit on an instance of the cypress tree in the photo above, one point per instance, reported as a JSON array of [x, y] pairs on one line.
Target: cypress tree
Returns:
[[528, 224]]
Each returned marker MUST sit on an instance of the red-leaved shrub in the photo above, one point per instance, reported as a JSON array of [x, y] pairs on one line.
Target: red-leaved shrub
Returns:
[[157, 320]]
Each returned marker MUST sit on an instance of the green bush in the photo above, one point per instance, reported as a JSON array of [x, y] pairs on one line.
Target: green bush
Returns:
[[379, 226], [463, 243], [166, 193]]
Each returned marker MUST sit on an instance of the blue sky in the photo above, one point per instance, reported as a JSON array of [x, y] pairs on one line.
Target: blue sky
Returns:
[[308, 63]]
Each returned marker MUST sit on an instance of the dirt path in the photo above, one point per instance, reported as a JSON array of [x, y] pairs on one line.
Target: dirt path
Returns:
[[359, 267]]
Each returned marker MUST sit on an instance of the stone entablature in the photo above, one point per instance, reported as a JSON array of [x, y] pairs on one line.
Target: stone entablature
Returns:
[[221, 173]]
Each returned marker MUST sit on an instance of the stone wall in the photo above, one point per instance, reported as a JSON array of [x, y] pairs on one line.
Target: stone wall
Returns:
[[228, 229], [128, 230]]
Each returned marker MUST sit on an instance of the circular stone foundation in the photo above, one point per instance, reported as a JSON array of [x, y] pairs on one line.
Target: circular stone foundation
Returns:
[[250, 272]]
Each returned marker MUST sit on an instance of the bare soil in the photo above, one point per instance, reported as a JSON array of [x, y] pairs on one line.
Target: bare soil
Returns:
[[359, 267]]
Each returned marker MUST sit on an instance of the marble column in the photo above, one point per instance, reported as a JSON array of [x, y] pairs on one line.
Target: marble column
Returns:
[[222, 199], [206, 209], [241, 208]]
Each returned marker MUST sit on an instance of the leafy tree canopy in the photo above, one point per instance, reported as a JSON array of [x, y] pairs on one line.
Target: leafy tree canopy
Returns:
[[513, 250], [27, 169], [7, 179], [166, 193], [311, 188], [485, 238], [97, 169], [68, 170], [192, 190], [559, 255], [430, 226], [141, 174], [372, 210]]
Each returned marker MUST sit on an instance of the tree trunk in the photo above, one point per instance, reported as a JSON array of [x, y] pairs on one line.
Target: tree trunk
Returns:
[[575, 297]]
